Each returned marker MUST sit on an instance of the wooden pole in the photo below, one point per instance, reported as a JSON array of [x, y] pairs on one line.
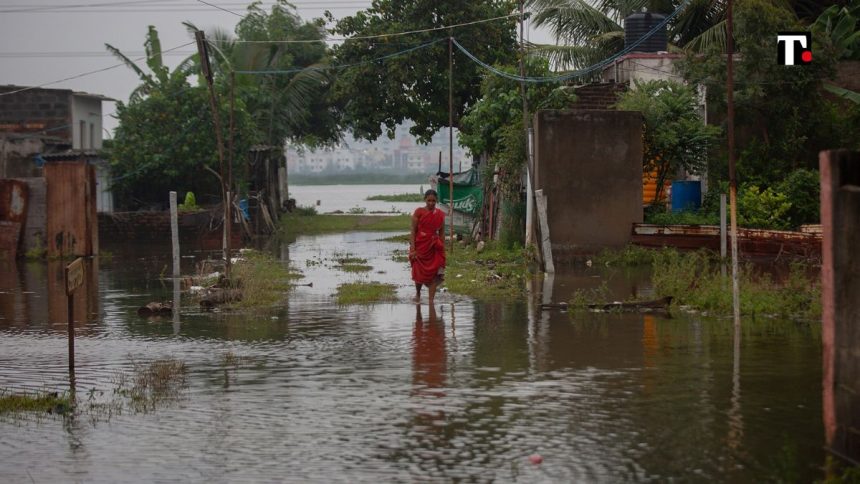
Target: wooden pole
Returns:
[[216, 119], [174, 233], [529, 236], [451, 139], [546, 244], [733, 182]]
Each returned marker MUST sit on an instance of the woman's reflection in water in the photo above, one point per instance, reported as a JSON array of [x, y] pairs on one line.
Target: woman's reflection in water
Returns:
[[429, 362]]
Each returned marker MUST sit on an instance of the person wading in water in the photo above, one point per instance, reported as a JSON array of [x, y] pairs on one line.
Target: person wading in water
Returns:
[[426, 246]]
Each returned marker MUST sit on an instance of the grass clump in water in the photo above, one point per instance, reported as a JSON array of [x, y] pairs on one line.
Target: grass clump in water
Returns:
[[694, 279], [350, 263], [365, 293], [262, 279], [151, 384], [32, 402], [292, 225], [402, 197], [492, 274], [629, 256]]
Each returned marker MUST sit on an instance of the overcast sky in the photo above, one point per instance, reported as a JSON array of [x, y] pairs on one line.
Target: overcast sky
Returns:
[[43, 41]]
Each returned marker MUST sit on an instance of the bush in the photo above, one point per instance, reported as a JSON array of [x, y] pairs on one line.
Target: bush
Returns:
[[764, 209], [802, 188], [304, 211]]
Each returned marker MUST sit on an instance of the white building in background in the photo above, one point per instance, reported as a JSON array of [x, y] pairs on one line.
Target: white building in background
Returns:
[[402, 154]]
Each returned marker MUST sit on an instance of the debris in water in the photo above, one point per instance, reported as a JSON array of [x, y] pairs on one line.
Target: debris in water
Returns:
[[535, 459]]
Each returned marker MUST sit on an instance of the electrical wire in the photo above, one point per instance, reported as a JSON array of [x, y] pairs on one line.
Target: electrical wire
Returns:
[[379, 36], [344, 66], [78, 76], [579, 72]]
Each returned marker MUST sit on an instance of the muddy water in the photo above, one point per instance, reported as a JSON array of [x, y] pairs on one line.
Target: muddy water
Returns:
[[391, 392]]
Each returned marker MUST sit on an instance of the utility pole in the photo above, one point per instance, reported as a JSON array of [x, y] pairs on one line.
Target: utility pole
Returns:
[[733, 182], [527, 127], [207, 74], [451, 138]]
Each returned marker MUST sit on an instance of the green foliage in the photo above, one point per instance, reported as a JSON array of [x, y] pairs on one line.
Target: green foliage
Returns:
[[365, 293], [675, 135], [766, 208], [781, 119], [495, 273], [264, 280], [304, 211], [629, 256], [167, 141], [293, 225], [414, 86], [190, 203], [694, 279], [294, 103], [32, 402], [802, 188], [836, 31], [661, 216], [402, 197]]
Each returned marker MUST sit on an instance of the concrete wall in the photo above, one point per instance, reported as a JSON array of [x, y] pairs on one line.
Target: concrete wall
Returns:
[[36, 110], [86, 123], [589, 165], [840, 272], [200, 230]]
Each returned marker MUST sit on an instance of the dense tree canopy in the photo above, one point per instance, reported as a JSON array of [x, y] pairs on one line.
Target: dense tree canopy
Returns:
[[165, 141], [782, 119], [414, 86]]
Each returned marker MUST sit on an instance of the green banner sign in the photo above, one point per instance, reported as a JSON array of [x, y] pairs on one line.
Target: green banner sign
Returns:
[[467, 199]]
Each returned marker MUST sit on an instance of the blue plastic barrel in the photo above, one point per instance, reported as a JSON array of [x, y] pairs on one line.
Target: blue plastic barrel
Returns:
[[686, 195], [243, 205]]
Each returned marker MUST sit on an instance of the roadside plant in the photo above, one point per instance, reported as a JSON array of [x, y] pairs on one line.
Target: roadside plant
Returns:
[[676, 137]]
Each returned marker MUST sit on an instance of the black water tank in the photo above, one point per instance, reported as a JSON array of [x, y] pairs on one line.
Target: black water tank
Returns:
[[638, 25]]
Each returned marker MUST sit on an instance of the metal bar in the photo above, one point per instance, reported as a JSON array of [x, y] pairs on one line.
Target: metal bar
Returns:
[[451, 138], [733, 182]]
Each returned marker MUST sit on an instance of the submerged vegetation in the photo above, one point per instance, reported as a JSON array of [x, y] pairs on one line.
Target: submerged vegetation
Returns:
[[32, 402], [490, 274], [152, 383], [294, 225], [262, 279], [695, 280], [402, 197], [365, 293]]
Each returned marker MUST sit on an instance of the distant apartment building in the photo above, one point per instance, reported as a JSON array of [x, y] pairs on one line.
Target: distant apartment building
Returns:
[[402, 154]]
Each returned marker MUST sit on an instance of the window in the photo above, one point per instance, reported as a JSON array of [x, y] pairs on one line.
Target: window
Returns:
[[83, 133], [92, 136]]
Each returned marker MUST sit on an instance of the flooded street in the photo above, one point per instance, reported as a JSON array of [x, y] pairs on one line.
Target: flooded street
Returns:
[[311, 391]]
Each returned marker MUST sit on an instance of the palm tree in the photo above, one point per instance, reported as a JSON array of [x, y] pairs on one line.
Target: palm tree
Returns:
[[589, 31], [159, 75], [286, 103]]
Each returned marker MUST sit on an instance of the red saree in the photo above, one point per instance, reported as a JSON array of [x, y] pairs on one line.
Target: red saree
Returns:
[[429, 247]]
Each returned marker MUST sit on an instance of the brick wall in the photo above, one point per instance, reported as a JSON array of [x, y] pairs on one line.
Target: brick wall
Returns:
[[36, 110], [199, 229]]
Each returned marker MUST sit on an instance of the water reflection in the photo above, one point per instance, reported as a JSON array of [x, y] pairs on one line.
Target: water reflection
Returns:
[[464, 390]]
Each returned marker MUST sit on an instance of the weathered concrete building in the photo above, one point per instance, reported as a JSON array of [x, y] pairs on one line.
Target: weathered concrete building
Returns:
[[40, 125], [589, 166]]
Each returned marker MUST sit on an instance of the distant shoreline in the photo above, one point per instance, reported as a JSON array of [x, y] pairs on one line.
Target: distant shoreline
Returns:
[[360, 179]]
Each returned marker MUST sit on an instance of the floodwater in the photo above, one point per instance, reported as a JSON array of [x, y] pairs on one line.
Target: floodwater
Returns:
[[346, 198], [311, 391]]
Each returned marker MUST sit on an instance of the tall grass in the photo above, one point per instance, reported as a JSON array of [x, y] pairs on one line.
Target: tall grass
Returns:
[[695, 279], [262, 279]]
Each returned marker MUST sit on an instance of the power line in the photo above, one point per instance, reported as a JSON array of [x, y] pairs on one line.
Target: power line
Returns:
[[579, 72], [50, 7], [379, 36], [77, 76], [344, 66], [221, 8]]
